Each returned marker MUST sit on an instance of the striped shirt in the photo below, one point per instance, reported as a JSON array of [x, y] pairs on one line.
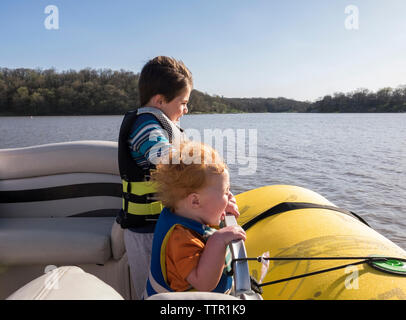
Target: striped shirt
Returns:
[[146, 133]]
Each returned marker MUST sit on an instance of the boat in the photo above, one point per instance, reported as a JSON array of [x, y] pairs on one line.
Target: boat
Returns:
[[319, 251], [59, 238]]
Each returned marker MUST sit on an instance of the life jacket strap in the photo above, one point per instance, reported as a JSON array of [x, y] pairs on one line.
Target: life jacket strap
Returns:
[[139, 188], [152, 208], [137, 198]]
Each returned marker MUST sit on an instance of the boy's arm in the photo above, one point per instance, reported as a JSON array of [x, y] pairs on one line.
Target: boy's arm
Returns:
[[207, 273], [148, 139], [158, 147]]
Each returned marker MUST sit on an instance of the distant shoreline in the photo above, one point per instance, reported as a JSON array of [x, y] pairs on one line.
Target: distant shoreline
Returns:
[[196, 113], [29, 92]]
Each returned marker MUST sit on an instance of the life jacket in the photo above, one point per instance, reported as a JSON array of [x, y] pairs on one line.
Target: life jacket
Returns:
[[139, 204], [157, 279]]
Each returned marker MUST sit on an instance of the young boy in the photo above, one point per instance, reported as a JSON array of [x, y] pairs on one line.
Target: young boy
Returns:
[[164, 89], [187, 253]]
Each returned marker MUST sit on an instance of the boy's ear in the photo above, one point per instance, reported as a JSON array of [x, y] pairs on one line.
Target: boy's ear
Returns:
[[158, 100], [194, 200]]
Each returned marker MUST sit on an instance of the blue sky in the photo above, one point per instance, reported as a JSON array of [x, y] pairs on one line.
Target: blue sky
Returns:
[[293, 48]]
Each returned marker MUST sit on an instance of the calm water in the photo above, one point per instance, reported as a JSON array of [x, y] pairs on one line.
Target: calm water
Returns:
[[357, 161]]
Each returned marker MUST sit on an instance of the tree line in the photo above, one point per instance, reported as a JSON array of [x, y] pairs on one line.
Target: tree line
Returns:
[[107, 92], [84, 92], [363, 100]]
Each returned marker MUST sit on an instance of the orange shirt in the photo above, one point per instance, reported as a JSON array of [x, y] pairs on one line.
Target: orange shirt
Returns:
[[183, 251]]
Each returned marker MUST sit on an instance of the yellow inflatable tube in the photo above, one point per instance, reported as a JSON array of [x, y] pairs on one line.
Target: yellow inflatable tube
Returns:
[[317, 231]]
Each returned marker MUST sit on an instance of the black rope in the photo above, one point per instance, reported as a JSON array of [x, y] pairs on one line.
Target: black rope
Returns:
[[364, 260], [289, 206], [312, 273], [260, 258]]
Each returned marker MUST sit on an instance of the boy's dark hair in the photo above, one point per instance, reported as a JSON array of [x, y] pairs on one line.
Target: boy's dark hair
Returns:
[[163, 75]]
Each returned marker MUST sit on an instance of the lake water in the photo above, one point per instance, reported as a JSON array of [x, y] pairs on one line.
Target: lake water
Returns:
[[357, 161]]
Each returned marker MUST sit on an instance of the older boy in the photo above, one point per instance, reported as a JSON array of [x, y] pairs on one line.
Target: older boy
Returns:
[[164, 88]]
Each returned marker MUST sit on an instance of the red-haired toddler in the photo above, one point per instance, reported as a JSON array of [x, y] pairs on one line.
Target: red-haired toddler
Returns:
[[189, 251]]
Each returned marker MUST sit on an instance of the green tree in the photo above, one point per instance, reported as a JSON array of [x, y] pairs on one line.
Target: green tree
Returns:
[[21, 99], [3, 97]]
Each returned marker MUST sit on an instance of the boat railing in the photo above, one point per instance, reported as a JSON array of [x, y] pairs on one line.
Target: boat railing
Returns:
[[242, 280]]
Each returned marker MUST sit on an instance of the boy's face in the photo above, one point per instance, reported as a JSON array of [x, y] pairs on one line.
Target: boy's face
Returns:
[[214, 198], [178, 106]]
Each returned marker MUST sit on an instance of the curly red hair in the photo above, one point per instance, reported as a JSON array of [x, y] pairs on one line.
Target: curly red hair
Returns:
[[188, 170]]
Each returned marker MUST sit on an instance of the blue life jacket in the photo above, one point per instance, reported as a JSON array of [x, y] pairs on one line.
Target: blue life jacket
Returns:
[[167, 221]]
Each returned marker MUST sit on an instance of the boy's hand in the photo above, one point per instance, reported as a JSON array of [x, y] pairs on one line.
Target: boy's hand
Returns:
[[227, 234], [231, 207]]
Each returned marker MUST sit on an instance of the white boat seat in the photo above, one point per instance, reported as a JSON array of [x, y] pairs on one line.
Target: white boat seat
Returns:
[[55, 241], [66, 283]]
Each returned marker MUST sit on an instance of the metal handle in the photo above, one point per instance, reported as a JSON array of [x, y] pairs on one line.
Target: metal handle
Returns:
[[242, 281]]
